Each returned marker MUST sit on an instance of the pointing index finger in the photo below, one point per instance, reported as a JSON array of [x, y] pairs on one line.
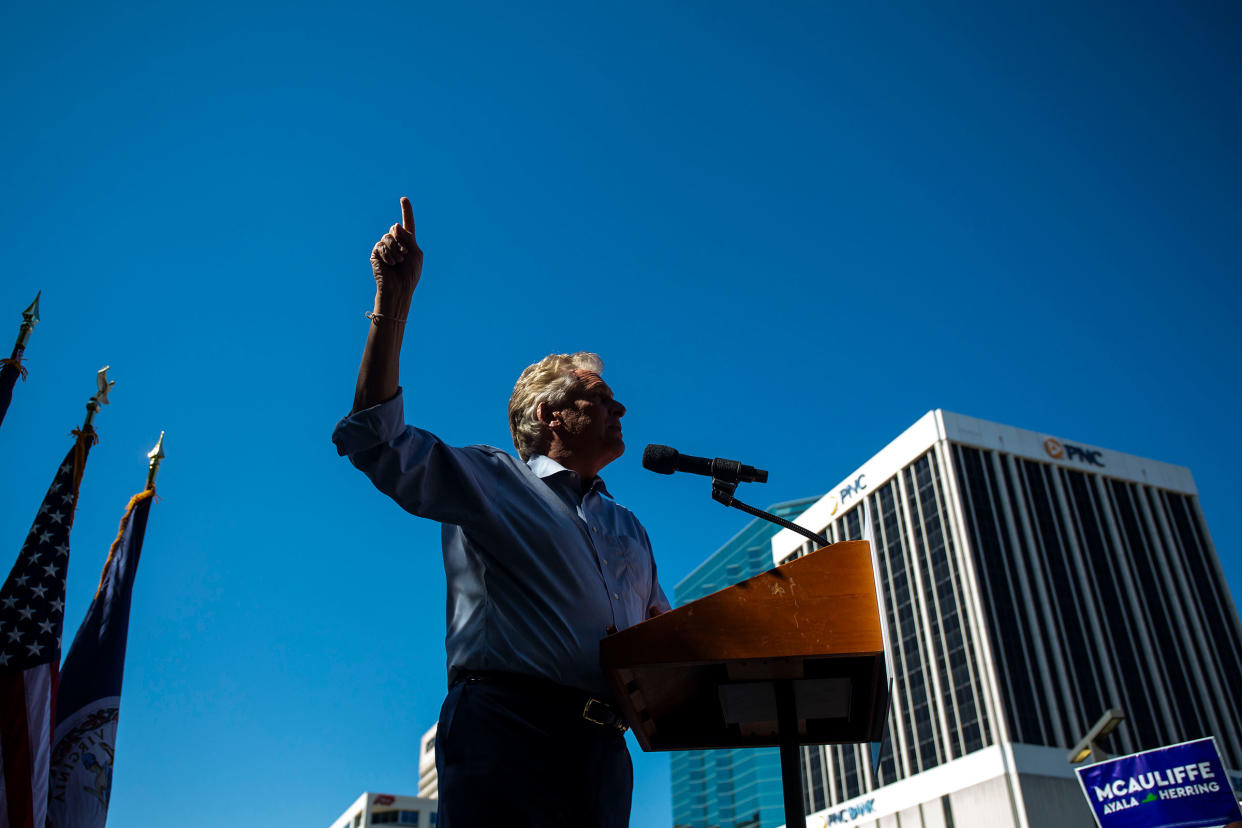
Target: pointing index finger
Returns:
[[407, 215]]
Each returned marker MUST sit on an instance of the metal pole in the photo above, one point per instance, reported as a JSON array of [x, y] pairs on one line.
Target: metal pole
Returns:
[[791, 759], [30, 318], [155, 455], [104, 385]]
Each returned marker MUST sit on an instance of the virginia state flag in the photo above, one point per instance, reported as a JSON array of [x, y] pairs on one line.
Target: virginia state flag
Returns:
[[90, 686]]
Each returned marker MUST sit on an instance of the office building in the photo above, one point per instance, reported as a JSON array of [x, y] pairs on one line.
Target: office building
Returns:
[[731, 787], [428, 781], [1030, 584], [388, 809], [395, 809]]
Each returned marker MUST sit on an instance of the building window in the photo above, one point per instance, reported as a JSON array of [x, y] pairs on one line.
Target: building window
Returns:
[[357, 819]]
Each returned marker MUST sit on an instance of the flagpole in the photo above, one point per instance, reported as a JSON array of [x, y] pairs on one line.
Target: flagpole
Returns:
[[11, 367], [100, 398], [155, 455], [30, 318]]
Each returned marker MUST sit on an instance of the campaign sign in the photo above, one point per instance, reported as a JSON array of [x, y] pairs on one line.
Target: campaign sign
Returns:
[[1180, 786]]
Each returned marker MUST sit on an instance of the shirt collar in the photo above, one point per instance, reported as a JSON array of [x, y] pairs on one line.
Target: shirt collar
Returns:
[[545, 467]]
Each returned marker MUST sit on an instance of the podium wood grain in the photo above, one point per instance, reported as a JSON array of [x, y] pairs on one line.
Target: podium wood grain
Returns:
[[813, 621]]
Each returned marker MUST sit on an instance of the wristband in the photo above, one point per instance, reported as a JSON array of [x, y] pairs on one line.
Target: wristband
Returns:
[[376, 317]]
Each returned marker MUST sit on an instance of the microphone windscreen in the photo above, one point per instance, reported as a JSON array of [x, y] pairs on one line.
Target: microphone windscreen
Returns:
[[660, 459]]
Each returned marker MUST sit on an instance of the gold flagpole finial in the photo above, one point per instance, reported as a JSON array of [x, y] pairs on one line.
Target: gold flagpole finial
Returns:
[[30, 318], [101, 396], [155, 455]]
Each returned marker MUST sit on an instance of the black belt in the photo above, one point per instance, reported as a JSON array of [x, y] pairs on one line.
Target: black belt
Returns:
[[578, 702]]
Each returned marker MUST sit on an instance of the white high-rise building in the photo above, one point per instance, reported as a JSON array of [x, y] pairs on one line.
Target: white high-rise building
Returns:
[[428, 781], [388, 809], [396, 809], [1031, 583]]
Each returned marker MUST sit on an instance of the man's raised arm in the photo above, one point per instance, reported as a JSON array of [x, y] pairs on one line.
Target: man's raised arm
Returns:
[[397, 264]]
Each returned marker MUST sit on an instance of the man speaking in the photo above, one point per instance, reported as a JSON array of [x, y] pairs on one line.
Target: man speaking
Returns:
[[540, 562]]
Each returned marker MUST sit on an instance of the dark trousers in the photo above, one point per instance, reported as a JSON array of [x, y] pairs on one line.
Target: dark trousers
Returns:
[[519, 754]]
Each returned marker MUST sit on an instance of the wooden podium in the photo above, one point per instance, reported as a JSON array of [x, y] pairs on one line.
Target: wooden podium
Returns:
[[791, 657]]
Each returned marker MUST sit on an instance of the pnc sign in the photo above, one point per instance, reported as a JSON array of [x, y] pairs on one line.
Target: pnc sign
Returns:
[[384, 799], [853, 488], [846, 815], [838, 499], [1066, 451]]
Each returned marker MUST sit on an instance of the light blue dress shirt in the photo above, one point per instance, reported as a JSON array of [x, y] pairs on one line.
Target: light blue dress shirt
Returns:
[[536, 571]]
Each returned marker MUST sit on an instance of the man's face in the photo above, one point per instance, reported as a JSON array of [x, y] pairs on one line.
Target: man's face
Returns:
[[592, 421]]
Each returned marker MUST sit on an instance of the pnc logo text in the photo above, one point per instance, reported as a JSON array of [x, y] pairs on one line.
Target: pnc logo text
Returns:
[[851, 489], [1066, 451]]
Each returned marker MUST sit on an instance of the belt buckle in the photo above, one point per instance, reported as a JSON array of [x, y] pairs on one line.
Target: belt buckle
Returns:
[[586, 714]]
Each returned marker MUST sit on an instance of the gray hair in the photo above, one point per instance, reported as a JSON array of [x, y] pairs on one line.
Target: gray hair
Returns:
[[549, 380]]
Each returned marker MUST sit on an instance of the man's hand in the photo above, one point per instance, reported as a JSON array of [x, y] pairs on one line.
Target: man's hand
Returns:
[[397, 263]]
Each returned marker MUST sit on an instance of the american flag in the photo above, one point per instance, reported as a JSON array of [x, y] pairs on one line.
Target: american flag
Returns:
[[32, 613]]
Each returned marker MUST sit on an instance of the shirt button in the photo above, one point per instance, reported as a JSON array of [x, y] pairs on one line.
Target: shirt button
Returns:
[[616, 596], [594, 528], [605, 563]]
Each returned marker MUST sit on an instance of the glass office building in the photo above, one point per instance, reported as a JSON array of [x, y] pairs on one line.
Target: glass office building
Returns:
[[733, 788], [1030, 584]]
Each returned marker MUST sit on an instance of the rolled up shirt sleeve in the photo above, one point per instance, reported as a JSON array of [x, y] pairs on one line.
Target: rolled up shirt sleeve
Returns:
[[414, 467]]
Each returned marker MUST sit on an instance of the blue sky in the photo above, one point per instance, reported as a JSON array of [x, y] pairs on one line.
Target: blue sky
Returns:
[[789, 228]]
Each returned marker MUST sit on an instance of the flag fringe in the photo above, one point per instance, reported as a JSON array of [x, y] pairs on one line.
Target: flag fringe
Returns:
[[16, 362], [129, 510]]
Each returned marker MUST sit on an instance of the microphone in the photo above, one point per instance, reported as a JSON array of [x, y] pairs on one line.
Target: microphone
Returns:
[[665, 460]]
